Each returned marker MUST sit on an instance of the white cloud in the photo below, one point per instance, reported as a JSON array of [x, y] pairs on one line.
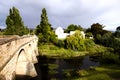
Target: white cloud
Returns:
[[65, 12], [2, 27]]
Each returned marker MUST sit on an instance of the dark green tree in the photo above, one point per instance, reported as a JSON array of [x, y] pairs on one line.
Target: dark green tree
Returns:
[[118, 29], [117, 32], [14, 23], [73, 27], [96, 29], [44, 29], [88, 30]]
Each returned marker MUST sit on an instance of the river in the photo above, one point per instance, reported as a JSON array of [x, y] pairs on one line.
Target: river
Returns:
[[56, 68], [59, 69]]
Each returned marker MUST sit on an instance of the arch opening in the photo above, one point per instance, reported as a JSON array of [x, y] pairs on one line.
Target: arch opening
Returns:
[[23, 66]]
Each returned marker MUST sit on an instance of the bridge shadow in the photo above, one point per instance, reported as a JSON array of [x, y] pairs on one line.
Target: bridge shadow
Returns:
[[24, 77], [43, 66]]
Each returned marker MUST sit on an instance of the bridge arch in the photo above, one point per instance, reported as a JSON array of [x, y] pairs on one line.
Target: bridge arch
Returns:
[[24, 66], [30, 50]]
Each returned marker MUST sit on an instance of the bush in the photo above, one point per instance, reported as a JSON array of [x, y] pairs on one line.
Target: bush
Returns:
[[47, 38], [75, 42], [60, 43], [89, 43], [108, 58], [88, 35]]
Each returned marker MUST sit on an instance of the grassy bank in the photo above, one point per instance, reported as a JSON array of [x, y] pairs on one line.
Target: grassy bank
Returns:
[[51, 50], [102, 72], [55, 51]]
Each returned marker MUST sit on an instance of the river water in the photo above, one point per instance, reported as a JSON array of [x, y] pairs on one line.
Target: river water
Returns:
[[56, 69], [59, 69]]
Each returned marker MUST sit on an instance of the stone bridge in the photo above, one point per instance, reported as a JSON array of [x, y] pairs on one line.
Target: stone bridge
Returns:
[[18, 56]]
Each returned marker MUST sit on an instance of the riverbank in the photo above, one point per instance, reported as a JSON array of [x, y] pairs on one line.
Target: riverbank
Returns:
[[51, 50], [105, 71], [71, 69]]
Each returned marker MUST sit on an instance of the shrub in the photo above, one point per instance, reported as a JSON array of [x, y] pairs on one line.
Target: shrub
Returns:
[[75, 42], [108, 57], [89, 43], [60, 43]]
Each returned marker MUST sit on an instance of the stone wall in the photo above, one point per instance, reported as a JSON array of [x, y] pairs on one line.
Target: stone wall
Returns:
[[10, 52]]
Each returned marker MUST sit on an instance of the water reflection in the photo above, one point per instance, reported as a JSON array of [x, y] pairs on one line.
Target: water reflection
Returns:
[[58, 69], [87, 63], [52, 69]]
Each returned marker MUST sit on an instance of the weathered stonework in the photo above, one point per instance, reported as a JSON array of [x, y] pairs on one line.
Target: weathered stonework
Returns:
[[17, 57]]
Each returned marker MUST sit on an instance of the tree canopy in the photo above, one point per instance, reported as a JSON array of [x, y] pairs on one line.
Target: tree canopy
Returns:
[[117, 32], [118, 29], [44, 29], [73, 27], [75, 42], [96, 29], [14, 23]]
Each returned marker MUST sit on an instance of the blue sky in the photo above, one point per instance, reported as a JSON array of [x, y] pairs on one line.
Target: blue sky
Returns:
[[65, 12]]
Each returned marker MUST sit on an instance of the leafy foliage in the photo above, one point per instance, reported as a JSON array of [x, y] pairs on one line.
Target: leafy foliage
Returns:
[[73, 27], [118, 29], [89, 43], [44, 29], [96, 29], [117, 32], [14, 23], [88, 35], [109, 58], [108, 40], [75, 42]]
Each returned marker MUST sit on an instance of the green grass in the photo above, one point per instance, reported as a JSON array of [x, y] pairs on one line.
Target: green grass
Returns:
[[54, 51], [53, 66], [112, 70], [51, 50], [104, 72]]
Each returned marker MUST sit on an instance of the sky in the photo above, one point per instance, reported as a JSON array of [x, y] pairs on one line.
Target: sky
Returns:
[[65, 12]]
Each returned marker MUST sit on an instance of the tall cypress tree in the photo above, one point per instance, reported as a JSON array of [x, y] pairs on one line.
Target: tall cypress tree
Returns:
[[44, 30], [14, 23], [44, 27]]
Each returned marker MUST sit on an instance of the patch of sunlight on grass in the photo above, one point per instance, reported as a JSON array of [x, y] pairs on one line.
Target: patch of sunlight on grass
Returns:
[[53, 66], [82, 72], [74, 78], [53, 72], [112, 70], [99, 77], [101, 69], [54, 79]]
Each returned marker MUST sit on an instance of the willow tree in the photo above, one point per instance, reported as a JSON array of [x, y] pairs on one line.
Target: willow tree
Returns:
[[14, 23], [75, 42]]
